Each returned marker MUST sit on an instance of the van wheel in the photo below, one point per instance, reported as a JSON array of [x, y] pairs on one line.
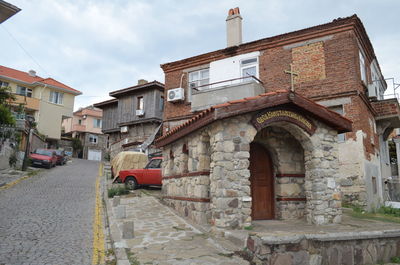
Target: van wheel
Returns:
[[131, 183]]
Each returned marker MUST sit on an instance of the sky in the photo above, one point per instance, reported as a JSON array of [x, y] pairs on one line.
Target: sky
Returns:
[[98, 46]]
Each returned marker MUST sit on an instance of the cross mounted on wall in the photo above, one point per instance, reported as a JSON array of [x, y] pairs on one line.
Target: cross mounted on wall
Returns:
[[292, 75]]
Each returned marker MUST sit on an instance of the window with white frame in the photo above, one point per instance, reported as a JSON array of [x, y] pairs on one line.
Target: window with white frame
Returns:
[[200, 79], [3, 84], [23, 91], [93, 139], [248, 68], [362, 68], [56, 97], [341, 137], [97, 123]]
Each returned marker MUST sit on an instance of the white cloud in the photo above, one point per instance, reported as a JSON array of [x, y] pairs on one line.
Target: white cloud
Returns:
[[99, 46]]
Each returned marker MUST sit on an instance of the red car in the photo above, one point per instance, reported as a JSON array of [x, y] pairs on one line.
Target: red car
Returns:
[[61, 160], [150, 175], [43, 157]]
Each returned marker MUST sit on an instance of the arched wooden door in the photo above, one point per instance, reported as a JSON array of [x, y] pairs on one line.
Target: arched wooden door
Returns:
[[262, 183]]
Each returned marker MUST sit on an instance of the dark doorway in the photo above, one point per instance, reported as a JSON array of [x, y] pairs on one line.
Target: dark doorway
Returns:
[[262, 183]]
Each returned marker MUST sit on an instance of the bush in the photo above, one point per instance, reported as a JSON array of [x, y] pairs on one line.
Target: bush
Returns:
[[116, 191], [389, 211]]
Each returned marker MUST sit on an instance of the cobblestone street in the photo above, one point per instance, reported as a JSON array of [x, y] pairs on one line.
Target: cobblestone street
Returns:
[[47, 219]]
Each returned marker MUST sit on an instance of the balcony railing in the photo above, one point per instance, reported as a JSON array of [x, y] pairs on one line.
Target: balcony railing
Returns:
[[79, 128], [211, 94], [28, 102]]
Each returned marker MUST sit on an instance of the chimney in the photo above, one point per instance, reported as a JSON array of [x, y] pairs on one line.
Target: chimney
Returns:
[[234, 27], [32, 73], [142, 82]]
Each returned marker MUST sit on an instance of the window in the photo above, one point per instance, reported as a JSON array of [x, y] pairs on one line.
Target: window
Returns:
[[162, 103], [23, 91], [199, 79], [341, 137], [97, 123], [140, 103], [249, 67], [93, 138], [362, 68], [374, 185], [3, 84], [80, 122], [56, 97], [155, 163]]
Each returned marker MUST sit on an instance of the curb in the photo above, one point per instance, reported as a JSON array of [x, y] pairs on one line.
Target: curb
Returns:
[[4, 186], [119, 252]]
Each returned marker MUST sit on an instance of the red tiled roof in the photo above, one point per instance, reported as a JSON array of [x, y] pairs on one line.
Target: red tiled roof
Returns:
[[25, 77], [242, 106]]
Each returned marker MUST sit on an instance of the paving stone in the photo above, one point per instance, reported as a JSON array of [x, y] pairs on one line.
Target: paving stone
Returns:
[[47, 219], [162, 237]]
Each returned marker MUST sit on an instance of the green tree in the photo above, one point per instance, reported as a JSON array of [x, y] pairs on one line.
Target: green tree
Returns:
[[76, 145], [6, 116]]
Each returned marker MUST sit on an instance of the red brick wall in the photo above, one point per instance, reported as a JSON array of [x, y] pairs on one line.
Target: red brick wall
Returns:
[[386, 107], [358, 112], [332, 71]]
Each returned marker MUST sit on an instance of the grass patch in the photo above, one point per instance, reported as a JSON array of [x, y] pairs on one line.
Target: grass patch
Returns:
[[131, 257], [250, 227], [395, 259], [33, 172], [117, 191], [228, 255], [384, 214]]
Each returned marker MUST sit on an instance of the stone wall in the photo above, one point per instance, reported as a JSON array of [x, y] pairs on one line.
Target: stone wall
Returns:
[[226, 157], [186, 182], [288, 158], [136, 133], [321, 249]]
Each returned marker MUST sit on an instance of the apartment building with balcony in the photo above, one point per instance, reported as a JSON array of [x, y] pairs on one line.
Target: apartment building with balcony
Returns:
[[86, 125], [230, 113], [47, 100]]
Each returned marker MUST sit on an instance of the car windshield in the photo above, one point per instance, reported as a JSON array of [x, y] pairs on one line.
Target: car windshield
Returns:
[[155, 163], [44, 152], [59, 152]]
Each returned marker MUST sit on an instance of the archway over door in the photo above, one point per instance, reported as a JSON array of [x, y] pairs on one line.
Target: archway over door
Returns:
[[262, 183]]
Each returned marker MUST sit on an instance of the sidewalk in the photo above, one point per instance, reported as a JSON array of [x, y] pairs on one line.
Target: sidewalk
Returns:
[[9, 177], [162, 237]]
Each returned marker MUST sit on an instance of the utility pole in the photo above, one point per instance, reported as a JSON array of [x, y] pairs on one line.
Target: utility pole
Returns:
[[30, 121]]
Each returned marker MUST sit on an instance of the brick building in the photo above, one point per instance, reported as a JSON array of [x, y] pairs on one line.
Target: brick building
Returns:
[[333, 65]]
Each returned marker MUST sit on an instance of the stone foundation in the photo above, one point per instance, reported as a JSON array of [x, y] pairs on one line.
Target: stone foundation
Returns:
[[325, 249]]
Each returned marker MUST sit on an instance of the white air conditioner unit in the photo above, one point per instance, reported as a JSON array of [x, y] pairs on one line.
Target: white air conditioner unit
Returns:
[[139, 112], [372, 90], [176, 94], [124, 129]]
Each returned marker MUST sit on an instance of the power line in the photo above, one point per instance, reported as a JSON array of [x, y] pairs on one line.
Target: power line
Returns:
[[26, 52]]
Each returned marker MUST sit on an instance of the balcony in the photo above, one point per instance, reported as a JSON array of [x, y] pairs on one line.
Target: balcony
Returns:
[[209, 95], [29, 103], [78, 128]]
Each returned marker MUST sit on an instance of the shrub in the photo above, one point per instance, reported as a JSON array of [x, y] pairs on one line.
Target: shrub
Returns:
[[116, 191]]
